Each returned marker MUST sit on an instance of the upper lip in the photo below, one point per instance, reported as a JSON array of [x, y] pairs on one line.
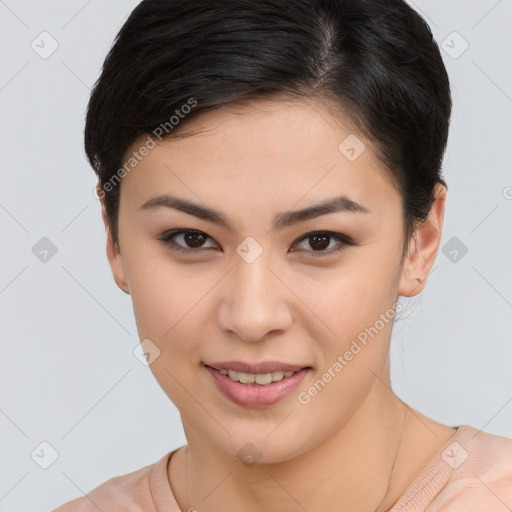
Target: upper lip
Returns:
[[263, 367]]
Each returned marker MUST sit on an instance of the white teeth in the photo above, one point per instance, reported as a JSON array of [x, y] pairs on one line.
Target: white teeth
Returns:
[[277, 376], [259, 378], [246, 378], [263, 378]]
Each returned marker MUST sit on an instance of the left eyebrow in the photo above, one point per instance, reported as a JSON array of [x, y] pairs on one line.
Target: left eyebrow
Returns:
[[281, 221]]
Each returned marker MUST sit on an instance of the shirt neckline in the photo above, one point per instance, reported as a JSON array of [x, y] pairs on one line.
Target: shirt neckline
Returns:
[[160, 487], [431, 479]]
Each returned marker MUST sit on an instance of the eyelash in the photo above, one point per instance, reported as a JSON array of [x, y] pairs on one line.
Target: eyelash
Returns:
[[167, 239]]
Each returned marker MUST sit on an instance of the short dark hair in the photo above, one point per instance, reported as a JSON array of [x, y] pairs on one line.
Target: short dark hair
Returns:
[[376, 59]]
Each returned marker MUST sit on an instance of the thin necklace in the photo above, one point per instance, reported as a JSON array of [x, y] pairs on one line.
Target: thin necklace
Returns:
[[394, 461]]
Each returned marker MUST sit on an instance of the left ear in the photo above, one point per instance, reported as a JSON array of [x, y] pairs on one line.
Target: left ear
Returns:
[[113, 250], [423, 248]]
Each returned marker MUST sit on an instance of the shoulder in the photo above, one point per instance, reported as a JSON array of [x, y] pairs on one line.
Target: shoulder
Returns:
[[480, 478], [128, 492]]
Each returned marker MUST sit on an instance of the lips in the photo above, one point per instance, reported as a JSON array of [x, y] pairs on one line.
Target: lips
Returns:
[[257, 395], [263, 367]]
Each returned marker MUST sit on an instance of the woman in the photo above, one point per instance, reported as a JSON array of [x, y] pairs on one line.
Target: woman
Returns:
[[270, 175]]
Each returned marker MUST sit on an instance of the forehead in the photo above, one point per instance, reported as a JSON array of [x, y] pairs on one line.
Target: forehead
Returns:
[[286, 152]]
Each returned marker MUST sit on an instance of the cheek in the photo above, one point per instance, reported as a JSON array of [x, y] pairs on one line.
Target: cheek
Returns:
[[350, 297], [167, 306], [353, 319], [169, 303], [156, 304]]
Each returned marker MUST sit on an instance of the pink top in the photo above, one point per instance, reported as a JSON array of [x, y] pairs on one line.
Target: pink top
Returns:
[[472, 473]]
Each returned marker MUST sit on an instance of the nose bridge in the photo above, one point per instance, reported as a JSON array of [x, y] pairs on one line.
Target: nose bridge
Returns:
[[256, 301]]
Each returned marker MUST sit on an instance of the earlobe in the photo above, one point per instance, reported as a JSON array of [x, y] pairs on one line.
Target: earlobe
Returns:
[[423, 248], [113, 251]]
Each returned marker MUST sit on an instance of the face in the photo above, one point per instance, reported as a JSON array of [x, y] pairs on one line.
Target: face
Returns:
[[265, 284]]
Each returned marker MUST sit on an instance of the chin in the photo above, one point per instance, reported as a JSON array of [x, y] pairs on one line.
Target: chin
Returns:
[[260, 450]]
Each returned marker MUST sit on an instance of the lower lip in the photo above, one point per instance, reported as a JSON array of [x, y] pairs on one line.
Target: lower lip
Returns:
[[254, 395]]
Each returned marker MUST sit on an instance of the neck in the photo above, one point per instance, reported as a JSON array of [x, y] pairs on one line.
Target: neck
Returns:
[[349, 471]]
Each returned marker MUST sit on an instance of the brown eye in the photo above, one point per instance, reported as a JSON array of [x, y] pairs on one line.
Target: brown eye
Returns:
[[319, 242], [194, 239], [186, 240]]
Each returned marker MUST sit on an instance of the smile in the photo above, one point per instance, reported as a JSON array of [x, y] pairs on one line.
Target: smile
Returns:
[[256, 378], [256, 390]]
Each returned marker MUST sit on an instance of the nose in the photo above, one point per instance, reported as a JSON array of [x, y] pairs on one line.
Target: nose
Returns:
[[255, 301]]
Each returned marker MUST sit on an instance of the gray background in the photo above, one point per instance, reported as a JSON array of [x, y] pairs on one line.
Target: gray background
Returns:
[[68, 374]]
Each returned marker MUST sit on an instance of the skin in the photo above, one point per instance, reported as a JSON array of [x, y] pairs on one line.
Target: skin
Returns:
[[251, 162]]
